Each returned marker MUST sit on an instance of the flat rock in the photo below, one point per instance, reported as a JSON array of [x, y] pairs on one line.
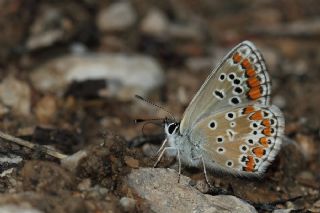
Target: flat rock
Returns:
[[162, 193], [124, 75]]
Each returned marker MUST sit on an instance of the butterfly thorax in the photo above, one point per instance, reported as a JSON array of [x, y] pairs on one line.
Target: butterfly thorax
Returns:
[[189, 154]]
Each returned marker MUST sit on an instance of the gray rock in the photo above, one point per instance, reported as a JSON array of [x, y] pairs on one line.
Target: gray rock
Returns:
[[117, 17], [125, 75], [162, 192]]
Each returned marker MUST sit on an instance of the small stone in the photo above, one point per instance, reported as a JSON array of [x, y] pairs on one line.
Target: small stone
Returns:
[[117, 17], [128, 204], [97, 192], [8, 161], [84, 185], [16, 94], [202, 186], [308, 146], [155, 23], [46, 109], [131, 162], [315, 207], [42, 32], [71, 162]]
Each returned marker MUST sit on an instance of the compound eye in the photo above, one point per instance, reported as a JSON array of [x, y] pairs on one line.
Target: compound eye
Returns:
[[172, 128]]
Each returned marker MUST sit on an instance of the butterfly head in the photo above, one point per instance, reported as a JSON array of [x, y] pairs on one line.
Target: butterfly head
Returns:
[[171, 127]]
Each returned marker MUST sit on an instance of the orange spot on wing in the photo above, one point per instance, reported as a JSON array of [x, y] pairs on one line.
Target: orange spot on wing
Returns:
[[263, 141], [245, 63], [250, 164], [248, 109], [250, 72], [259, 151], [266, 122], [253, 82], [256, 116], [267, 131], [236, 58], [254, 93]]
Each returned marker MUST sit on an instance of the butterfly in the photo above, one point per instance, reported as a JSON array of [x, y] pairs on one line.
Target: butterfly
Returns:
[[229, 125]]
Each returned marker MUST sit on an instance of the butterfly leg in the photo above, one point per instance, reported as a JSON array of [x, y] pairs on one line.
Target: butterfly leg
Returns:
[[204, 170], [179, 162], [162, 145], [161, 154]]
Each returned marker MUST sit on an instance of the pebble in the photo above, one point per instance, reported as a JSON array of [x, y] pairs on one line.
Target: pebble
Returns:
[[47, 29], [71, 162], [46, 109], [155, 23], [128, 204], [161, 192], [15, 94], [119, 16], [126, 75], [131, 162], [85, 184], [307, 146], [315, 207]]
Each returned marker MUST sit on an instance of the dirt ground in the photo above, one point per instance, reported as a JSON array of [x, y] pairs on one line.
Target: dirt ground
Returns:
[[90, 118]]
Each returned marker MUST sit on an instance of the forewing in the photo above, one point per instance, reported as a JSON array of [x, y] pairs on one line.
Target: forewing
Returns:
[[241, 78], [242, 140]]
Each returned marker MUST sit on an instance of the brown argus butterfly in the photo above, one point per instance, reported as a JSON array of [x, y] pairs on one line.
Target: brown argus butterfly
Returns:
[[230, 124]]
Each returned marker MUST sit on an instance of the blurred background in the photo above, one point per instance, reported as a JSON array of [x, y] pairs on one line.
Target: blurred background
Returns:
[[69, 70]]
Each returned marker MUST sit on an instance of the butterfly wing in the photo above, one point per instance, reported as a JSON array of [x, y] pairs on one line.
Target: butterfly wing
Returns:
[[242, 140], [239, 79]]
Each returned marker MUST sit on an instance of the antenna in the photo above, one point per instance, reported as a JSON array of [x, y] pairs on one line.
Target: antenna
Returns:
[[139, 120], [153, 104]]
